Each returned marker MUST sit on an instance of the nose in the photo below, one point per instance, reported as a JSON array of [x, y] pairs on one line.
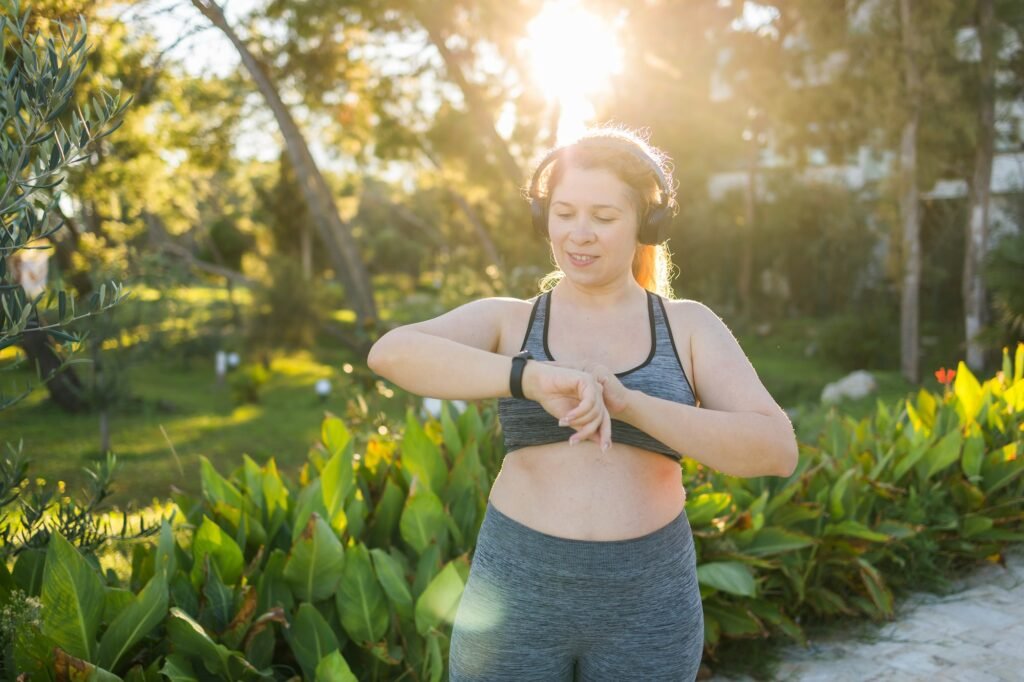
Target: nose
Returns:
[[582, 231]]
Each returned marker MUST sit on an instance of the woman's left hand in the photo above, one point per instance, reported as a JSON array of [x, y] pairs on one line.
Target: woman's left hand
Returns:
[[616, 396]]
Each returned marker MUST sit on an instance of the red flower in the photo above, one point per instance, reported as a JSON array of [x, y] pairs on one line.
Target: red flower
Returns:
[[945, 376]]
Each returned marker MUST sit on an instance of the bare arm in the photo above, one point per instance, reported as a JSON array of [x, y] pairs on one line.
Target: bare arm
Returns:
[[739, 429], [452, 356]]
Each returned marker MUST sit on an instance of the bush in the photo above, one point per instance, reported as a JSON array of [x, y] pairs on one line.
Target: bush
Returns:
[[355, 571]]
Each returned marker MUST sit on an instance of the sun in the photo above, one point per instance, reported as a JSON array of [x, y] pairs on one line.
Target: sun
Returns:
[[573, 55]]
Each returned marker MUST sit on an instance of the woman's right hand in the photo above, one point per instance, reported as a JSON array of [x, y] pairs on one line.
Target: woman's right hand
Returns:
[[560, 390]]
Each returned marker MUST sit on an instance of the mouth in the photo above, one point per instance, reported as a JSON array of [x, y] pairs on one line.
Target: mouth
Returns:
[[581, 259]]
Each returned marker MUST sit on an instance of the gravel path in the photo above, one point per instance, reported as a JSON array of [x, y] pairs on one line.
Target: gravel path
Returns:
[[974, 634]]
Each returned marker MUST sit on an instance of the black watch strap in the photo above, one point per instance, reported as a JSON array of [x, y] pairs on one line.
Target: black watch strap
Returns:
[[515, 380]]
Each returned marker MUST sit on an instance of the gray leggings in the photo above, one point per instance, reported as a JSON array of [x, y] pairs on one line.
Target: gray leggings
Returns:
[[539, 607]]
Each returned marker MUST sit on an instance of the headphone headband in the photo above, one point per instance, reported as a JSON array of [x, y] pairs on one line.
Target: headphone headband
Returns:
[[653, 228]]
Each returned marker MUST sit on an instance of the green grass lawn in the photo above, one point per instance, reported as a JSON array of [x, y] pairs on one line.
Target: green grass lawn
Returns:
[[201, 418]]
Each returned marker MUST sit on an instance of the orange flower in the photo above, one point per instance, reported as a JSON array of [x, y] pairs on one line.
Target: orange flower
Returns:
[[945, 376]]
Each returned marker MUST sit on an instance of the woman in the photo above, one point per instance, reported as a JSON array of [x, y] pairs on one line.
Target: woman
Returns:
[[585, 565]]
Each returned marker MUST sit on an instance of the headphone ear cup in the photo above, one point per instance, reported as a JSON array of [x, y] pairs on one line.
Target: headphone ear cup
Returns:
[[539, 215], [655, 228]]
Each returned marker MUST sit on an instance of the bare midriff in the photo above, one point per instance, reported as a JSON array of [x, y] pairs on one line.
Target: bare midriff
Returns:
[[580, 492]]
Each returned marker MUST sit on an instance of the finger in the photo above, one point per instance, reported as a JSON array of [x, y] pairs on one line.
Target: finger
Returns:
[[591, 398], [588, 395], [590, 415], [586, 431], [606, 430]]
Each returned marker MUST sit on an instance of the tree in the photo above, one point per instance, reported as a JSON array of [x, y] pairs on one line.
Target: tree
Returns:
[[42, 65], [335, 233]]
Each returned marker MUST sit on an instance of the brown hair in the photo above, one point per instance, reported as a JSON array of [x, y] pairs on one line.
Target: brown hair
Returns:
[[652, 264]]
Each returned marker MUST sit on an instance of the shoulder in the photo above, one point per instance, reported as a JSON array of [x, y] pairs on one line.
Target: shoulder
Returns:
[[688, 314]]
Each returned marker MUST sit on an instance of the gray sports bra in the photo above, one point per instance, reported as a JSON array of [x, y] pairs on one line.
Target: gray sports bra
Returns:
[[525, 422]]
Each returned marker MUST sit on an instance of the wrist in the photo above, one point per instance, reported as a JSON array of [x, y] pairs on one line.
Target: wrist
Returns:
[[629, 413], [529, 382]]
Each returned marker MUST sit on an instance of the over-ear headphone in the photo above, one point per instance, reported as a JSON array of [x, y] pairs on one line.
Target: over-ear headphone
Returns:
[[654, 226]]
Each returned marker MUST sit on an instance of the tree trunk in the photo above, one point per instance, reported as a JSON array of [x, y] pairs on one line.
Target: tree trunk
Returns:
[[336, 234], [975, 310], [474, 102], [911, 246], [64, 386]]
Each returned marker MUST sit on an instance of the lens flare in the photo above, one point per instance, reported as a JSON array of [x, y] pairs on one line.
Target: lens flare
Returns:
[[573, 55]]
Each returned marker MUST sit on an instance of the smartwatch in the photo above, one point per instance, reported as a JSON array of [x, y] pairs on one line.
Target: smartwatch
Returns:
[[515, 380]]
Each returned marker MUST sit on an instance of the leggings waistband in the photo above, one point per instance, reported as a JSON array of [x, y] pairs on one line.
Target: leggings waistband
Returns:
[[517, 542]]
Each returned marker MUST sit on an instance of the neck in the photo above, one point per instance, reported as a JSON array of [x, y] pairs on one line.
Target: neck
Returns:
[[613, 295]]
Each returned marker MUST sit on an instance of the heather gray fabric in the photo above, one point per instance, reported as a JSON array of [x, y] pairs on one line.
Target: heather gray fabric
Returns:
[[525, 422], [542, 608]]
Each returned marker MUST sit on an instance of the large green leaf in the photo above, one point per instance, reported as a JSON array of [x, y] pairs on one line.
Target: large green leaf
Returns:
[[211, 540], [973, 455], [178, 669], [144, 613], [855, 529], [334, 668], [361, 603], [72, 597], [942, 454], [386, 515], [392, 579], [421, 458], [315, 562], [733, 621], [190, 639], [310, 637], [700, 509], [73, 669], [165, 559], [309, 502], [773, 540], [440, 599], [337, 478], [733, 577], [423, 520]]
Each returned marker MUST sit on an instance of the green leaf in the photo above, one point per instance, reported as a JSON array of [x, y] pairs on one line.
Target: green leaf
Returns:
[[423, 520], [837, 492], [973, 456], [440, 599], [855, 529], [144, 613], [733, 577], [421, 459], [334, 668], [733, 621], [774, 540], [190, 640], [336, 482], [360, 599], [942, 454], [178, 669], [701, 509], [310, 637], [335, 436], [211, 539], [315, 562], [875, 584], [449, 431], [389, 572], [72, 598]]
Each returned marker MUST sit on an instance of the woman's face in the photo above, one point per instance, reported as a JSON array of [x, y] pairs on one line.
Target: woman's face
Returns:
[[592, 225]]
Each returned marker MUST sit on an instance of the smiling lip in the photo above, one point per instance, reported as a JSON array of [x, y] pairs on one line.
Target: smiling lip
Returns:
[[581, 263]]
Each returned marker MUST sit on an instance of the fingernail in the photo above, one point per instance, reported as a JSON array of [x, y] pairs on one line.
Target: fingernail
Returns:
[[605, 446], [563, 421], [572, 440]]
